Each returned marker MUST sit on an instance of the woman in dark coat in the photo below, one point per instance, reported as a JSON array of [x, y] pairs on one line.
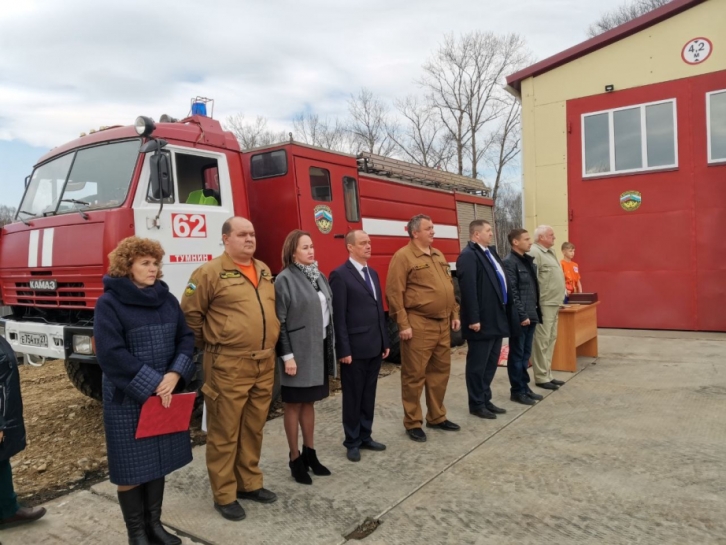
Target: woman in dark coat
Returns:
[[144, 348], [303, 301], [12, 440]]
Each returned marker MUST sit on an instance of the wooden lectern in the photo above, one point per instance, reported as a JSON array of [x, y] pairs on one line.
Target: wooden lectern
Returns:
[[576, 336]]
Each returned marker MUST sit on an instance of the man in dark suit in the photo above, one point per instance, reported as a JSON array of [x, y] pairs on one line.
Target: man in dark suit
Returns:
[[361, 341], [484, 318]]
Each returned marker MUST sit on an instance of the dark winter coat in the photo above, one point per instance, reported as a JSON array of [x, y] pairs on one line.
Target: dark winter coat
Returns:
[[11, 403], [482, 301], [140, 335], [523, 290]]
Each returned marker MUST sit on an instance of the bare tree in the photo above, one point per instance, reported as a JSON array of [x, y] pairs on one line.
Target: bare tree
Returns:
[[444, 80], [370, 126], [322, 132], [464, 81], [504, 145], [507, 215], [252, 134], [622, 14], [7, 214], [423, 138]]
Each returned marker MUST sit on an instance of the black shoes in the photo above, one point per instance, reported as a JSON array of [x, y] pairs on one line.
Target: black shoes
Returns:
[[372, 445], [557, 382], [23, 515], [417, 434], [311, 461], [231, 511], [483, 413], [534, 396], [132, 507], [153, 498], [524, 399], [493, 408], [299, 470], [261, 495], [354, 454], [446, 425], [548, 386]]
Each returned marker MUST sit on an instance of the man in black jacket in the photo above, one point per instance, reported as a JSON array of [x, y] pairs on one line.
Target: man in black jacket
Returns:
[[484, 323], [361, 341], [524, 291]]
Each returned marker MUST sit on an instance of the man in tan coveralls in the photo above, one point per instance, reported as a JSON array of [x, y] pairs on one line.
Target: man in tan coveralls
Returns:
[[229, 304], [421, 299], [551, 295]]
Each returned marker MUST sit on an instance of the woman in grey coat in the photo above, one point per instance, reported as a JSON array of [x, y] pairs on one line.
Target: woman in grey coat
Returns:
[[303, 301]]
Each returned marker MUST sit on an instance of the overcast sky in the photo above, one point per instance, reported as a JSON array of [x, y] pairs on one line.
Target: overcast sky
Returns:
[[67, 67]]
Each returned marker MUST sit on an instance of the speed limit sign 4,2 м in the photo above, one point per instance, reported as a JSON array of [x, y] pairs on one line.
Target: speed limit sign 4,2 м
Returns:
[[697, 50]]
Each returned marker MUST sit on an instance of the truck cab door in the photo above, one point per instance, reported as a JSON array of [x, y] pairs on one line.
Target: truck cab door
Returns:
[[189, 226], [329, 207]]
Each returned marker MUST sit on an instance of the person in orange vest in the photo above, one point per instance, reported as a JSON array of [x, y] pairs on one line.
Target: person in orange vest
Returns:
[[571, 269]]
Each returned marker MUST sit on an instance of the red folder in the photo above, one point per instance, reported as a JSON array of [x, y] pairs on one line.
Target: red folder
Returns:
[[156, 420]]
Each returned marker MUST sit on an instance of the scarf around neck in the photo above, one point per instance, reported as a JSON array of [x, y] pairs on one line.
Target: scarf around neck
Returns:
[[311, 272]]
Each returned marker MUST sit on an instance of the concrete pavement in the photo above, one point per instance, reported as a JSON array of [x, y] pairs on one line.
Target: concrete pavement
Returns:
[[629, 451]]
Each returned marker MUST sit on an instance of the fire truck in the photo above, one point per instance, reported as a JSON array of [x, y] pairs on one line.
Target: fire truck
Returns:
[[177, 181]]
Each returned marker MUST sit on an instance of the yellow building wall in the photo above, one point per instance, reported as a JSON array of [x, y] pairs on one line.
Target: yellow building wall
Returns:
[[650, 56]]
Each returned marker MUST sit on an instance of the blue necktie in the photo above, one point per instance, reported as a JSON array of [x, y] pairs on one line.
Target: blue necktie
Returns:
[[502, 283], [368, 281]]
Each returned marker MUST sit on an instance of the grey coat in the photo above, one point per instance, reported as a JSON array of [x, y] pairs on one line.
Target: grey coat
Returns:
[[301, 328]]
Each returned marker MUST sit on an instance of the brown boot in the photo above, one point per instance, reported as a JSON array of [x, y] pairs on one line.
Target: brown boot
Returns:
[[23, 515]]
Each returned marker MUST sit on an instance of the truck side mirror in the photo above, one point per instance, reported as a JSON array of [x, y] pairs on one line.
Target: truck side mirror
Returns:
[[27, 181], [161, 185]]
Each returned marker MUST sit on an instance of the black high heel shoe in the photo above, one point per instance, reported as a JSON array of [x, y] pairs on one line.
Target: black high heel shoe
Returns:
[[299, 470], [310, 459]]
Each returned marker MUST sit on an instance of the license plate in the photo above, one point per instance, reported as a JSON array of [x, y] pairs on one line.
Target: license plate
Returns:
[[44, 285], [34, 339]]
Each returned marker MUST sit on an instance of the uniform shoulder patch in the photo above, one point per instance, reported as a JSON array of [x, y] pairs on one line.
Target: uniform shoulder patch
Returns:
[[190, 289]]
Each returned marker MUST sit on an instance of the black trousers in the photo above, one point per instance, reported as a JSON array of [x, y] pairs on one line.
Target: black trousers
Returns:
[[481, 365], [359, 380]]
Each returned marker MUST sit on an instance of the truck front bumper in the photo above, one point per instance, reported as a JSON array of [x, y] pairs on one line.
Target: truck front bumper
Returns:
[[52, 341]]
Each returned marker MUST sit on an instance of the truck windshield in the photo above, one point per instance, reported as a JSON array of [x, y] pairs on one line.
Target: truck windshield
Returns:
[[86, 179]]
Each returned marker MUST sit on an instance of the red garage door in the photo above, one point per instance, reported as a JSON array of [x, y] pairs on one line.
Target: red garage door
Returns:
[[647, 200]]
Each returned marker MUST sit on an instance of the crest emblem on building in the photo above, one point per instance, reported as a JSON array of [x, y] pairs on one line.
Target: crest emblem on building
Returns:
[[630, 201], [324, 218]]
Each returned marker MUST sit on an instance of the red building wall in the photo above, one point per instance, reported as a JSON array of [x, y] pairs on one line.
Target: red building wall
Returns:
[[662, 266]]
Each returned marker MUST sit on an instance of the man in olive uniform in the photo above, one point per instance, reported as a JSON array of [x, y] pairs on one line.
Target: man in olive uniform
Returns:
[[551, 295], [229, 303], [421, 299]]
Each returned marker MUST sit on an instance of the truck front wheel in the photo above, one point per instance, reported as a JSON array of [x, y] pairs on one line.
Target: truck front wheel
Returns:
[[86, 377]]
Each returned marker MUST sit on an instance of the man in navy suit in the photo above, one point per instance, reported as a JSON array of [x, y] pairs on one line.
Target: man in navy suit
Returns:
[[484, 315], [361, 341]]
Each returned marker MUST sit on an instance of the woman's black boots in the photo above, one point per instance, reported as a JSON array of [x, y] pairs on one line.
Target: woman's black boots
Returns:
[[299, 470], [311, 461], [154, 497], [132, 507]]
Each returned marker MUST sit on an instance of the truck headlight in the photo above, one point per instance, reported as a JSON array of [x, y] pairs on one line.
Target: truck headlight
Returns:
[[82, 344]]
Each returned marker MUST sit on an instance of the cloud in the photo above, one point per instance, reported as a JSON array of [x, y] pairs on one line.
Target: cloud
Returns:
[[66, 67]]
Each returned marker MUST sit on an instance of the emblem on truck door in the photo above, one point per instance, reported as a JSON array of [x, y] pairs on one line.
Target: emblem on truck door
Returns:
[[324, 218]]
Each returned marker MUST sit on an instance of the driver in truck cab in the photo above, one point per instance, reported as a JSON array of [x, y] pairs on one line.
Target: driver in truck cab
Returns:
[[229, 304]]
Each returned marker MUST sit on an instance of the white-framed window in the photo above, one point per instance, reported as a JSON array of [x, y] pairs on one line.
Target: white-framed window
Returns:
[[638, 138], [716, 125]]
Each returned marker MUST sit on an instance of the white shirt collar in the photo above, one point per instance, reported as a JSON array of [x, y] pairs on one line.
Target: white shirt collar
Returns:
[[357, 265], [483, 247]]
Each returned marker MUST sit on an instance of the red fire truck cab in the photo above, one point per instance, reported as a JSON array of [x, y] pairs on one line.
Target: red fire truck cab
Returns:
[[178, 182]]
